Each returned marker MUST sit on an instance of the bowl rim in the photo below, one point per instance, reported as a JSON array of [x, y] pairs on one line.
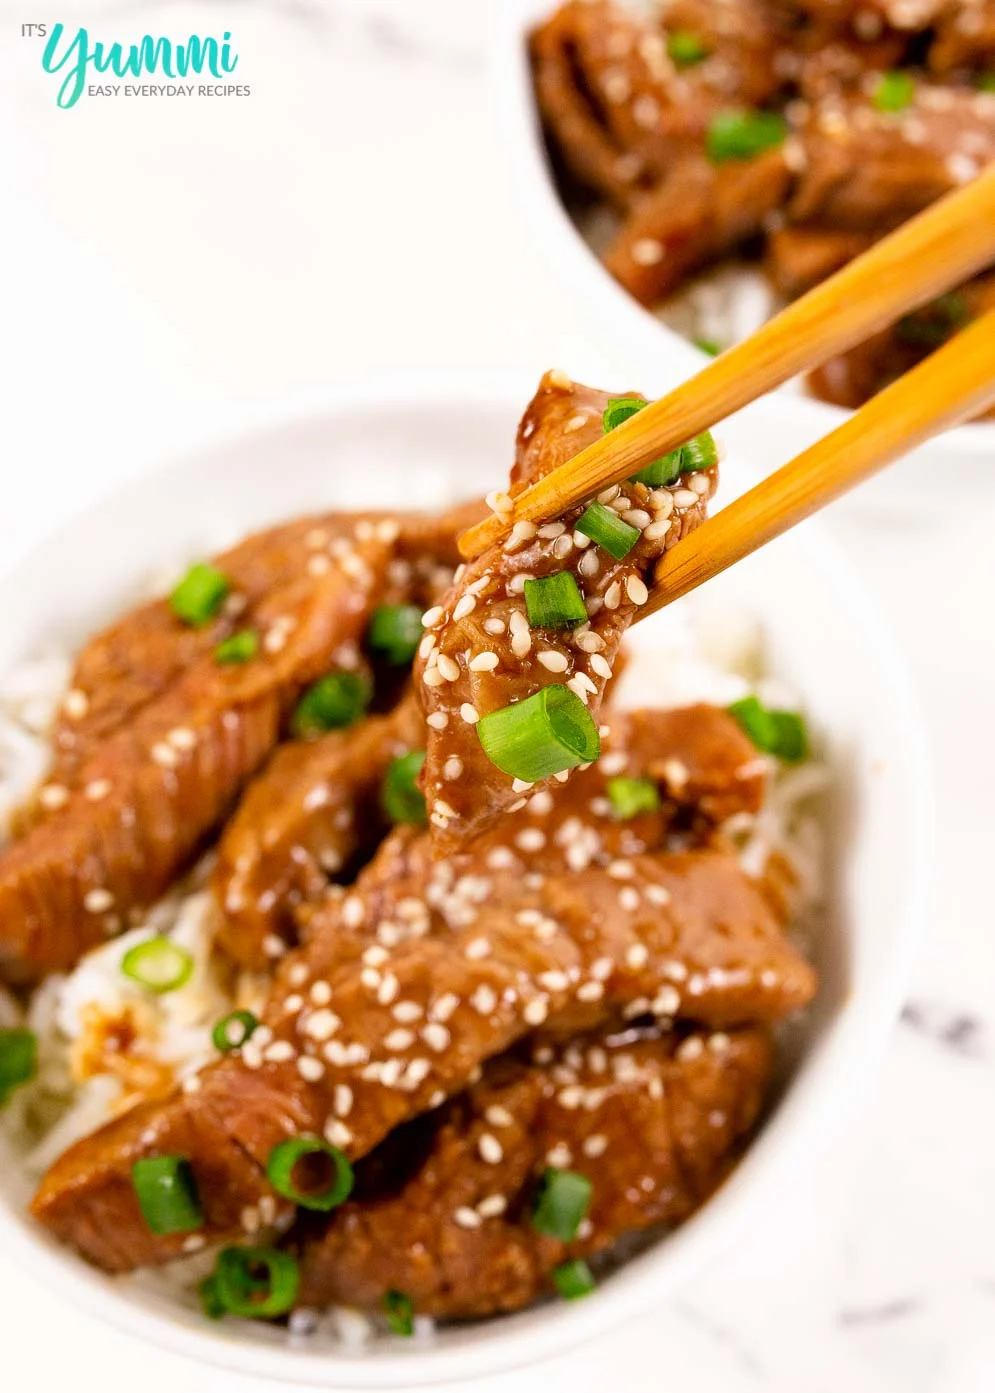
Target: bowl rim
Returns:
[[635, 332], [836, 1069]]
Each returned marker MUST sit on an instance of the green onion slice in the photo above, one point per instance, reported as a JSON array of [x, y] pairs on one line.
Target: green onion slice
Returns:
[[779, 733], [395, 632], [630, 797], [700, 452], [561, 1203], [199, 595], [895, 91], [210, 1298], [986, 82], [238, 648], [685, 49], [167, 1194], [932, 325], [399, 1312], [310, 1172], [665, 470], [331, 703], [742, 135], [710, 346], [608, 530], [542, 735], [573, 1279], [255, 1282], [619, 409], [400, 796], [158, 965], [18, 1060], [554, 602], [232, 1031]]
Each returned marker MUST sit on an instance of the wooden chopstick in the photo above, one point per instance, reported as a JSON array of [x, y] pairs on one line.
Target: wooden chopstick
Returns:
[[954, 384], [940, 248]]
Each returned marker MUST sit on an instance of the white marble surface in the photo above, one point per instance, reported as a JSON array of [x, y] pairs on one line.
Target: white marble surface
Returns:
[[162, 267]]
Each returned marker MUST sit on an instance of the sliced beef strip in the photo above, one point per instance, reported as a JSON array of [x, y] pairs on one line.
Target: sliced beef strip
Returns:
[[868, 171], [479, 653], [698, 213], [152, 792], [798, 256], [135, 660], [652, 1122], [408, 983], [616, 107], [852, 378], [304, 821], [964, 38]]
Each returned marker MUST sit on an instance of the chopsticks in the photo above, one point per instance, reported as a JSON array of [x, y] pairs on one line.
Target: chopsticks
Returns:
[[945, 245], [952, 385]]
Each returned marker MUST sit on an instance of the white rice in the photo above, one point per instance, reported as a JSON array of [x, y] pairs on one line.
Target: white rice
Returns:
[[697, 653]]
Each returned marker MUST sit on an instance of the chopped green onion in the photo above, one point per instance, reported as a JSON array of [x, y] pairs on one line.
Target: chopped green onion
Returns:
[[232, 1031], [742, 135], [608, 530], [779, 733], [395, 632], [932, 325], [331, 703], [986, 82], [630, 797], [561, 1204], [710, 346], [701, 452], [542, 735], [399, 1312], [167, 1194], [573, 1279], [790, 737], [665, 470], [402, 799], [554, 602], [318, 1189], [210, 1298], [239, 648], [199, 595], [895, 91], [18, 1060], [158, 965], [619, 409], [685, 49], [255, 1282]]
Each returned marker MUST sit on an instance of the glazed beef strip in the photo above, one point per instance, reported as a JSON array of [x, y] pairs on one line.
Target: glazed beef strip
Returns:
[[652, 1122], [422, 972], [135, 660], [307, 819], [616, 105], [153, 790], [479, 653]]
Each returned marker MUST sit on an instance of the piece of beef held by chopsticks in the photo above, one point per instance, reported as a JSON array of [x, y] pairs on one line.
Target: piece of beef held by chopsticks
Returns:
[[544, 612]]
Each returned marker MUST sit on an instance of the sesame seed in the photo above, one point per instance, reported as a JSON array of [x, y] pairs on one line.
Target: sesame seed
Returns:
[[647, 251], [98, 901], [636, 590], [595, 1145], [438, 720], [274, 946], [656, 530], [280, 1052], [492, 1206], [522, 531], [559, 1156], [448, 668], [465, 606], [320, 994], [555, 662], [310, 1069], [478, 948], [667, 1001], [490, 1149], [321, 1025], [399, 1040], [337, 1132], [352, 911], [484, 1000], [427, 644], [554, 981], [433, 617], [436, 1036], [97, 789], [530, 839], [536, 1010], [590, 991], [164, 755], [342, 1100], [685, 498], [467, 1218], [53, 796], [499, 502], [182, 738], [600, 666], [484, 662], [432, 677], [637, 956], [628, 898], [76, 704], [469, 713], [298, 974], [601, 969], [570, 1097], [375, 956], [407, 1011], [719, 1042], [388, 989], [657, 894], [613, 595], [451, 770]]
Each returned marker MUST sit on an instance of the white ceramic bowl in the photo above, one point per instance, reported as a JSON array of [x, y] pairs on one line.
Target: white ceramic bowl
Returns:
[[427, 443], [654, 354]]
